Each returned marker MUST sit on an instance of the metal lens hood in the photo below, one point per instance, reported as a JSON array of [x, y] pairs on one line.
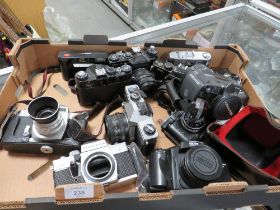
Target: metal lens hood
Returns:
[[43, 109]]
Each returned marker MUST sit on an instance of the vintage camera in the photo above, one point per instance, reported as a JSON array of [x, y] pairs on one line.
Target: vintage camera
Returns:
[[189, 165], [101, 82], [134, 124], [137, 58], [73, 61], [223, 93], [183, 126], [97, 162], [45, 127], [166, 70], [189, 58]]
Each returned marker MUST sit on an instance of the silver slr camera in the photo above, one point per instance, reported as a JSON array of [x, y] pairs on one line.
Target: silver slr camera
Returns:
[[45, 127], [134, 124], [189, 58], [98, 162]]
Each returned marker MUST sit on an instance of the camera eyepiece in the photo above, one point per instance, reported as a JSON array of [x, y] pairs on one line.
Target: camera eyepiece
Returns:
[[43, 109], [117, 127]]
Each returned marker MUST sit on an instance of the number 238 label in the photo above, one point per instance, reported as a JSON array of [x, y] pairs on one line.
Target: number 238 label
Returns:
[[78, 192]]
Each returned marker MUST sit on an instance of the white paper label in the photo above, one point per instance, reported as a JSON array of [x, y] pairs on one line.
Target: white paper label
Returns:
[[78, 192]]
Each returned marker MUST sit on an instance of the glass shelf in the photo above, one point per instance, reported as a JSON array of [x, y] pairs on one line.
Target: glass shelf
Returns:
[[255, 31]]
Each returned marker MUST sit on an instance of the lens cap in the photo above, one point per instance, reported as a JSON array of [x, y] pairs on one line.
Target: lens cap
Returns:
[[203, 164], [226, 106]]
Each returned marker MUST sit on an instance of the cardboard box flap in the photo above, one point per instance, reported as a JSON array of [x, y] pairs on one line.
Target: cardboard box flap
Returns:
[[90, 40]]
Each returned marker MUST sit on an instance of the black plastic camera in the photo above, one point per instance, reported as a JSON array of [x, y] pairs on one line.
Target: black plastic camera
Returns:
[[45, 127], [73, 61], [137, 58], [189, 165], [101, 82], [222, 92], [135, 124]]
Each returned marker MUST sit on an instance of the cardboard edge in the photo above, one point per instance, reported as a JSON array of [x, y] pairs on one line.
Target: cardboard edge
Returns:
[[237, 50], [155, 196], [273, 189], [12, 205], [225, 188]]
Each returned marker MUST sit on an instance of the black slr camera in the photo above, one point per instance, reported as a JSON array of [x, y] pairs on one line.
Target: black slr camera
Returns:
[[137, 58], [190, 165], [135, 124], [45, 127], [101, 82], [182, 126], [73, 61], [222, 92], [98, 161], [164, 70]]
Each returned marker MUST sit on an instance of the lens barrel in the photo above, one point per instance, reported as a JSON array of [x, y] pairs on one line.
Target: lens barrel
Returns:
[[144, 79], [117, 128]]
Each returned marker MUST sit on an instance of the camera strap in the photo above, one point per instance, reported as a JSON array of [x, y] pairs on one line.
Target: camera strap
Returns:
[[81, 134], [48, 70]]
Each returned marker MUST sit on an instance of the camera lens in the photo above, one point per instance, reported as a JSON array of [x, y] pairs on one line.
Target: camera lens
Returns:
[[117, 128], [200, 166], [144, 79], [43, 109]]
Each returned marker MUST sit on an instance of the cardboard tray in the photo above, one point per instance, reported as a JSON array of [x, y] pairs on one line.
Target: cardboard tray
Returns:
[[17, 192]]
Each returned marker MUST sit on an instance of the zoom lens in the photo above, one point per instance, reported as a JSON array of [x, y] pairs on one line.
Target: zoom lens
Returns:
[[117, 128], [200, 166], [44, 109]]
